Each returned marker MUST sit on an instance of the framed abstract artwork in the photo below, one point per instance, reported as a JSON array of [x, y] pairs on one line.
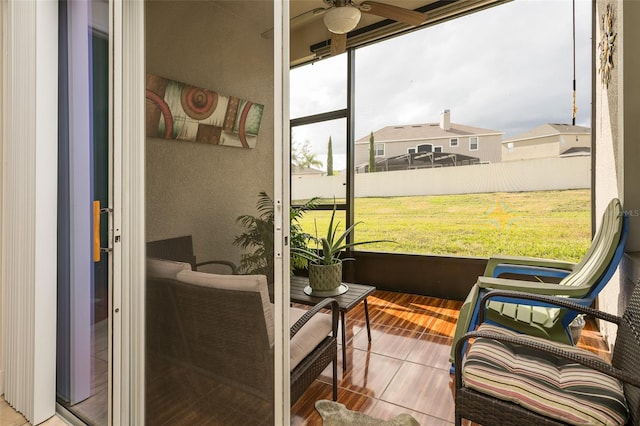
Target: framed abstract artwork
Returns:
[[176, 110]]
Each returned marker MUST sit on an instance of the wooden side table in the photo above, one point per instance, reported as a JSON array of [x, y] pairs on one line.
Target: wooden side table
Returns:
[[357, 293]]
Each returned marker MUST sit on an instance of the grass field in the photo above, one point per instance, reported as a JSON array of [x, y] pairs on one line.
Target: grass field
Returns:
[[555, 224]]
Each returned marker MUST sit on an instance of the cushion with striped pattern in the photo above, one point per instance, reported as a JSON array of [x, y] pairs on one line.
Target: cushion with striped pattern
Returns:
[[548, 385]]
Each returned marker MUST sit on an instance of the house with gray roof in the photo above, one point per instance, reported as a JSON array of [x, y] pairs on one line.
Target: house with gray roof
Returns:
[[307, 171], [547, 141], [410, 146]]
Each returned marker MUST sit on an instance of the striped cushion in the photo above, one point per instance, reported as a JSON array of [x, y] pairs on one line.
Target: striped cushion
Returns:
[[543, 383]]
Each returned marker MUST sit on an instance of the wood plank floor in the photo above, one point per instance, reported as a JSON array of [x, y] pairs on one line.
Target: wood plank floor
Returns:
[[405, 369]]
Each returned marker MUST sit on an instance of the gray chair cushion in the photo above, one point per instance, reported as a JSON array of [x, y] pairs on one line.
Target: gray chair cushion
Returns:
[[168, 269], [311, 334]]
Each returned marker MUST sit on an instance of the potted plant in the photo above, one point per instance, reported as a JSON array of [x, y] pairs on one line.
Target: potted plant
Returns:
[[325, 263]]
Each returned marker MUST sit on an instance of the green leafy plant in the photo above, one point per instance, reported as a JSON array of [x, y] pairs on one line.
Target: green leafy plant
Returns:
[[372, 154], [330, 158], [328, 248], [258, 237]]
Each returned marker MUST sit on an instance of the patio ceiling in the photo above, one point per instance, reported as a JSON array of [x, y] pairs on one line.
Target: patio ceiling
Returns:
[[310, 37]]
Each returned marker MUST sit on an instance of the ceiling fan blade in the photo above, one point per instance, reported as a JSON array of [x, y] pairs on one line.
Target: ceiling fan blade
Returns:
[[396, 13], [338, 43], [299, 20], [303, 18]]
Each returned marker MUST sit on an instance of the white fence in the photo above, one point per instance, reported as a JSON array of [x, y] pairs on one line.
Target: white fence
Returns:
[[513, 176]]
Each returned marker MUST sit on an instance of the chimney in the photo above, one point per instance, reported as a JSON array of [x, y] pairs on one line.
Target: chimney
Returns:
[[445, 120]]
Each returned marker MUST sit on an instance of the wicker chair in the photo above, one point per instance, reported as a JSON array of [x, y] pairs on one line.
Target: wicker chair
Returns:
[[180, 249], [493, 403], [221, 326]]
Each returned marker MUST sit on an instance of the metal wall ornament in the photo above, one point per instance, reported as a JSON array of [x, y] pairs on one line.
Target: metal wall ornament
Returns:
[[606, 46]]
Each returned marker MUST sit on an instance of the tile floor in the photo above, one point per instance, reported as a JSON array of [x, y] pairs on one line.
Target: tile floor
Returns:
[[403, 370]]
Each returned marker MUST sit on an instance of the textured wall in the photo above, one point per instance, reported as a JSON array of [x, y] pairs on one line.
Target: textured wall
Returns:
[[195, 188], [608, 177], [616, 139]]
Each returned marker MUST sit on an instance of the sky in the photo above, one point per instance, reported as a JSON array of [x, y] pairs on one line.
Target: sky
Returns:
[[508, 68]]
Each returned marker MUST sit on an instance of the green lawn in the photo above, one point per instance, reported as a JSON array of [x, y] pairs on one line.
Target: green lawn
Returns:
[[554, 224]]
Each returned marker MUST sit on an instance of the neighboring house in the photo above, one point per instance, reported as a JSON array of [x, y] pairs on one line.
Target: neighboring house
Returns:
[[548, 140], [307, 171], [430, 145]]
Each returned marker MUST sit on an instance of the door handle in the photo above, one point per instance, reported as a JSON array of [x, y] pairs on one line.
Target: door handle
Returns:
[[97, 245]]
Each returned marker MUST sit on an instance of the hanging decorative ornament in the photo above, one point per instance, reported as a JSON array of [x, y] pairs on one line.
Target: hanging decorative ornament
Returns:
[[606, 47]]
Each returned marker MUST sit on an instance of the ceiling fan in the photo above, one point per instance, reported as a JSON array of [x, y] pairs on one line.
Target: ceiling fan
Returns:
[[342, 16]]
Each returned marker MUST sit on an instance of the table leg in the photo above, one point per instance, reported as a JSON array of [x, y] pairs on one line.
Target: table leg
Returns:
[[366, 316], [344, 341]]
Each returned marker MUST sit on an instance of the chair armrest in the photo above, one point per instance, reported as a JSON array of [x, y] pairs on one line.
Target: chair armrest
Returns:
[[324, 304], [549, 348], [529, 287], [527, 266], [548, 301], [231, 265]]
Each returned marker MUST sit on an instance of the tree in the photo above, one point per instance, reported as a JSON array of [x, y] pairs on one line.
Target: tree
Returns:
[[302, 157], [329, 158], [372, 154]]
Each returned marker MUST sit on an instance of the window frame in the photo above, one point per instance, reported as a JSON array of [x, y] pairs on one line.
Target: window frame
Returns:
[[424, 144], [389, 260], [477, 143]]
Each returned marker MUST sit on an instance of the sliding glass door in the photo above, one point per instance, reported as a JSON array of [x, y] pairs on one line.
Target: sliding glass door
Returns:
[[83, 197], [211, 346]]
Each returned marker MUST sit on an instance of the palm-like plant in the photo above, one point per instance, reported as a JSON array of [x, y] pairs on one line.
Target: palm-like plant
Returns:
[[328, 248], [259, 237], [303, 157]]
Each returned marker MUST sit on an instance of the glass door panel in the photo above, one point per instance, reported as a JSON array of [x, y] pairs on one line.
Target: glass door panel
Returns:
[[209, 158], [318, 161], [318, 170], [319, 88], [83, 163], [450, 166]]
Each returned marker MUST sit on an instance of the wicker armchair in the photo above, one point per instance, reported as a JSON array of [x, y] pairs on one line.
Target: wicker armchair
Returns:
[[180, 249], [510, 394], [221, 326]]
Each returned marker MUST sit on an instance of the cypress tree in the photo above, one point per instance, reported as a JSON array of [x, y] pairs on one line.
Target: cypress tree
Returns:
[[329, 158], [372, 154]]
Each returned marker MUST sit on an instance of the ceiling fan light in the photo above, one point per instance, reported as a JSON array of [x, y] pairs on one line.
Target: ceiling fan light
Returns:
[[341, 20]]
